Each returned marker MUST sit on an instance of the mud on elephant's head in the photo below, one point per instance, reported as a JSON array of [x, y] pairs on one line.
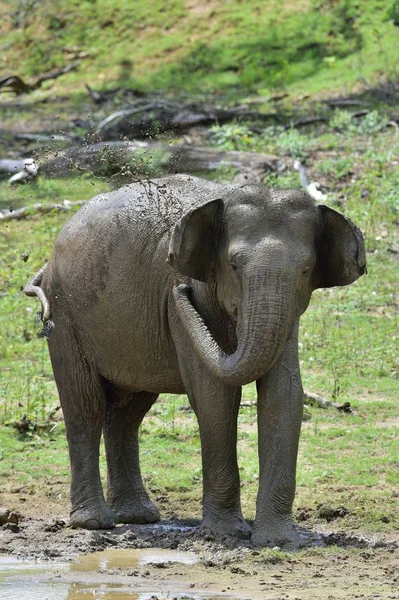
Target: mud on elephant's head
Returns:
[[264, 252]]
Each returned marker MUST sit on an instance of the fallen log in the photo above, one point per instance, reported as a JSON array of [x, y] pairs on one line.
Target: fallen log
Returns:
[[46, 137], [144, 118], [191, 159], [8, 166], [27, 211], [111, 159]]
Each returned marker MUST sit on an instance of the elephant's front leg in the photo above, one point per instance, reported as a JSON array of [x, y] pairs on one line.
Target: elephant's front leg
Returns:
[[280, 406], [216, 406]]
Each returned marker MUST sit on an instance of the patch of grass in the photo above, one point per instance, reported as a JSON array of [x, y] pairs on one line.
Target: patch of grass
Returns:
[[268, 556], [50, 190], [306, 47]]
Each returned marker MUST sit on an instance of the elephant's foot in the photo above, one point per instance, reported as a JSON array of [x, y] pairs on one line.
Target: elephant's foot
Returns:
[[284, 534], [89, 518], [139, 510], [218, 528]]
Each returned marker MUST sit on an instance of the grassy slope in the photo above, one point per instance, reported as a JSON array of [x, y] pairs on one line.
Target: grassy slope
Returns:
[[305, 46]]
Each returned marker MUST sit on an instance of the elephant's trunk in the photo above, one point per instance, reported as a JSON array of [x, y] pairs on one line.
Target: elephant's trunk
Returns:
[[262, 330]]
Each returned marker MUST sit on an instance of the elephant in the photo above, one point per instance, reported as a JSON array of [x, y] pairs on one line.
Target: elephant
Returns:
[[185, 286]]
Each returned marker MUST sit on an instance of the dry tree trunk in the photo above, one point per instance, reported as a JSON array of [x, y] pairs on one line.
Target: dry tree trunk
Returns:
[[186, 158]]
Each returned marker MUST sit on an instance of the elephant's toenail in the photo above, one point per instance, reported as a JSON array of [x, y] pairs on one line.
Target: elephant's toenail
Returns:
[[92, 524]]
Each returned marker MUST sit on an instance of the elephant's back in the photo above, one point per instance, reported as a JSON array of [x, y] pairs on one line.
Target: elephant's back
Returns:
[[116, 231], [158, 203]]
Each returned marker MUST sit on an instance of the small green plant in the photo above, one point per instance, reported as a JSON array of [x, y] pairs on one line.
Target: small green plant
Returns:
[[293, 143], [371, 123], [344, 122], [232, 136], [340, 121], [337, 168]]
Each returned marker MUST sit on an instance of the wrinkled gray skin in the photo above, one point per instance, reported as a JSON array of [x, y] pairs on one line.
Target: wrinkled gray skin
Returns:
[[186, 286]]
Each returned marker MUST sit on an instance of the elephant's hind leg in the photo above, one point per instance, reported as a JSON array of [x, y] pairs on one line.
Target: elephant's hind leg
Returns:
[[82, 397], [126, 494]]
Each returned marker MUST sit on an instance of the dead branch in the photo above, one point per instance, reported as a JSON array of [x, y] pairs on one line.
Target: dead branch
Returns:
[[27, 211], [312, 399], [305, 121], [15, 84], [100, 97], [338, 102], [96, 97], [360, 113], [54, 74]]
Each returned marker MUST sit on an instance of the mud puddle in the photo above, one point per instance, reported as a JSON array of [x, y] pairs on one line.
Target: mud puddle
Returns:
[[93, 576], [171, 561]]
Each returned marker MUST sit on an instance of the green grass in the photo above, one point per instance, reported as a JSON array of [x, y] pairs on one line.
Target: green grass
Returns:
[[303, 47], [49, 190]]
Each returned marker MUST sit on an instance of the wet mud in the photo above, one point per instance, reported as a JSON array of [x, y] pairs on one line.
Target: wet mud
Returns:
[[173, 561]]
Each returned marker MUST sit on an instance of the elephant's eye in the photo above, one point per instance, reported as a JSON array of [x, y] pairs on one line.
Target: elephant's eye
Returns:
[[233, 265]]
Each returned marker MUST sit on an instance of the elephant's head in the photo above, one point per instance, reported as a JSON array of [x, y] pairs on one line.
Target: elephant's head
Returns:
[[264, 252]]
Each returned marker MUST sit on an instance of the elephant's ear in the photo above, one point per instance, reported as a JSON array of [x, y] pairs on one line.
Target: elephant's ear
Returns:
[[193, 245], [341, 258]]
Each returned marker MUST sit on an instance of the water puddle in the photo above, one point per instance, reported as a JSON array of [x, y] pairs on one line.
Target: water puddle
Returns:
[[18, 580], [97, 577], [124, 559]]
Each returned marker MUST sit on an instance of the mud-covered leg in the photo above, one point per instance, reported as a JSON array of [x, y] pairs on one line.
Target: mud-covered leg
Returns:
[[280, 406], [216, 406], [126, 493], [82, 399]]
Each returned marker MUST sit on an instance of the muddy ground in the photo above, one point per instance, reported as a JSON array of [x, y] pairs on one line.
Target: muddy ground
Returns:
[[335, 565]]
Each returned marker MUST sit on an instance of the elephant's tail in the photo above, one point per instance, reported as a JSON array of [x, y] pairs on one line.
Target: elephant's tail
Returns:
[[33, 289]]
